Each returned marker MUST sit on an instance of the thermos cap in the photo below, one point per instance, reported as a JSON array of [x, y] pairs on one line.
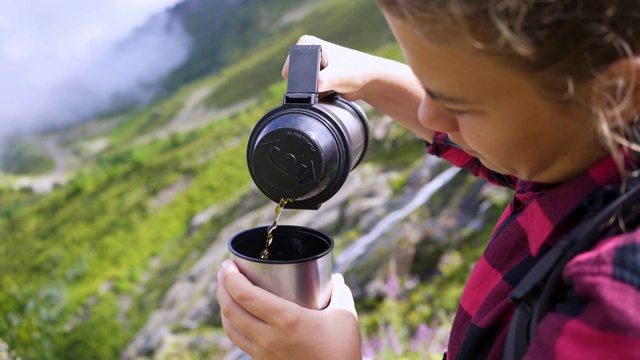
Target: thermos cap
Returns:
[[305, 149], [288, 162]]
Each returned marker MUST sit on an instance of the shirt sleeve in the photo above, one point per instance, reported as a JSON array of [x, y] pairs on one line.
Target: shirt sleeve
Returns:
[[600, 318], [446, 149]]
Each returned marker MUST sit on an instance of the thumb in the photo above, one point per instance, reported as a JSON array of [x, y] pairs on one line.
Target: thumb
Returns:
[[341, 296]]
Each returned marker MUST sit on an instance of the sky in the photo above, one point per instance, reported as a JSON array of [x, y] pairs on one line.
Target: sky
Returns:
[[63, 60]]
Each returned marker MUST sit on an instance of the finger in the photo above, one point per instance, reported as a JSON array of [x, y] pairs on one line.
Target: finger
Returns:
[[341, 296], [307, 40], [260, 303], [243, 321], [285, 68], [324, 85], [237, 337]]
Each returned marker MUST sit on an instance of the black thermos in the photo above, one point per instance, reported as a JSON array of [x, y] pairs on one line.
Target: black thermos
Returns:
[[306, 148]]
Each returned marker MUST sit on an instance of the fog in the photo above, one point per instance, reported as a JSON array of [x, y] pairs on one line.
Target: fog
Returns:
[[66, 61]]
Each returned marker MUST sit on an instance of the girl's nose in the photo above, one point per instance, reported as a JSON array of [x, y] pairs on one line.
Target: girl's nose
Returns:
[[434, 117]]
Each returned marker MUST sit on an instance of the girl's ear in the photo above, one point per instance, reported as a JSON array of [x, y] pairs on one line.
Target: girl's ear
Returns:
[[635, 63], [617, 90], [617, 105], [634, 79]]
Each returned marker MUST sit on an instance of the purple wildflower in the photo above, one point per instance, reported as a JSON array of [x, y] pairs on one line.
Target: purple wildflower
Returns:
[[392, 286], [376, 344], [368, 351], [394, 342], [420, 338]]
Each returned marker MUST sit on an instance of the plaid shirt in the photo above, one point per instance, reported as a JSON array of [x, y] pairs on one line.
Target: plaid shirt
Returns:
[[600, 318]]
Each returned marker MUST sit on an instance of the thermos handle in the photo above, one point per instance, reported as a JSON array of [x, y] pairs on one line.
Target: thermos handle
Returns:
[[304, 68]]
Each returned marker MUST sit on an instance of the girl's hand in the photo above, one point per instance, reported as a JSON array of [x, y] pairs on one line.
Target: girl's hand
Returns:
[[338, 71], [266, 326], [387, 85]]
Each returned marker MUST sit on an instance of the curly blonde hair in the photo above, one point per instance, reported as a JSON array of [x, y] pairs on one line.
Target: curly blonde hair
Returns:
[[572, 40]]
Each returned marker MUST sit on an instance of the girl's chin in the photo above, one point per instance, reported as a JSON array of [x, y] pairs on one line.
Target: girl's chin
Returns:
[[491, 166]]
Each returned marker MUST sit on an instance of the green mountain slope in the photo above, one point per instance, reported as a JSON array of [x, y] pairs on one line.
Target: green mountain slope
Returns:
[[84, 265], [226, 32]]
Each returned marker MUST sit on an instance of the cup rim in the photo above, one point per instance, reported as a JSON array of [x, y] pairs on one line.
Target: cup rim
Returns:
[[283, 228]]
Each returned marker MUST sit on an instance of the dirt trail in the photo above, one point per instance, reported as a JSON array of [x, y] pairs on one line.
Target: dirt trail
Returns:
[[45, 183], [192, 116]]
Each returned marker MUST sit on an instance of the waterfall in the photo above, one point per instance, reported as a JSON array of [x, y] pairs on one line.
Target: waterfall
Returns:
[[358, 247]]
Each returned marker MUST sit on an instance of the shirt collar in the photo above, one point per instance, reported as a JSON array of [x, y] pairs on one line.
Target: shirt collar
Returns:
[[546, 207]]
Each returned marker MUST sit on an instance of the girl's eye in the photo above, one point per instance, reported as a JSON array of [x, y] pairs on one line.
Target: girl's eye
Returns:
[[455, 112]]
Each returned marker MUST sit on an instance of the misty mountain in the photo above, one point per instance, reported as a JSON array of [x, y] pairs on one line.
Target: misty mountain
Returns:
[[193, 39], [126, 75], [223, 32], [116, 257]]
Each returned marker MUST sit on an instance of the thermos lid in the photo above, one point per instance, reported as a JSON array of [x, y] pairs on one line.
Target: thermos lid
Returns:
[[287, 162]]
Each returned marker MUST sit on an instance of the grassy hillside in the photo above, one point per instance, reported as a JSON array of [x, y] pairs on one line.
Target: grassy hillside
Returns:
[[332, 21], [224, 32], [24, 157], [84, 265], [101, 231]]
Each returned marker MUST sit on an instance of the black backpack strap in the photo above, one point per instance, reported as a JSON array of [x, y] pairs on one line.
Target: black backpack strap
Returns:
[[526, 296], [540, 289]]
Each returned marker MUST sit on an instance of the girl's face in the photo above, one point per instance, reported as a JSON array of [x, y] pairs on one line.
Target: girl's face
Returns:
[[497, 113]]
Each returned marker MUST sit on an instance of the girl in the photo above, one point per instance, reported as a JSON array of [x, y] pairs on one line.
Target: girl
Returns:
[[541, 96]]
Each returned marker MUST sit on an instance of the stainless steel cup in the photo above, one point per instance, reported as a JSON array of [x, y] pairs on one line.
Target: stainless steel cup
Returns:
[[299, 267]]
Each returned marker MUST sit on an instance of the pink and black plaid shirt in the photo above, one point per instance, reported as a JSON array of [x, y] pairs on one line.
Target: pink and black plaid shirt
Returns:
[[601, 317]]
